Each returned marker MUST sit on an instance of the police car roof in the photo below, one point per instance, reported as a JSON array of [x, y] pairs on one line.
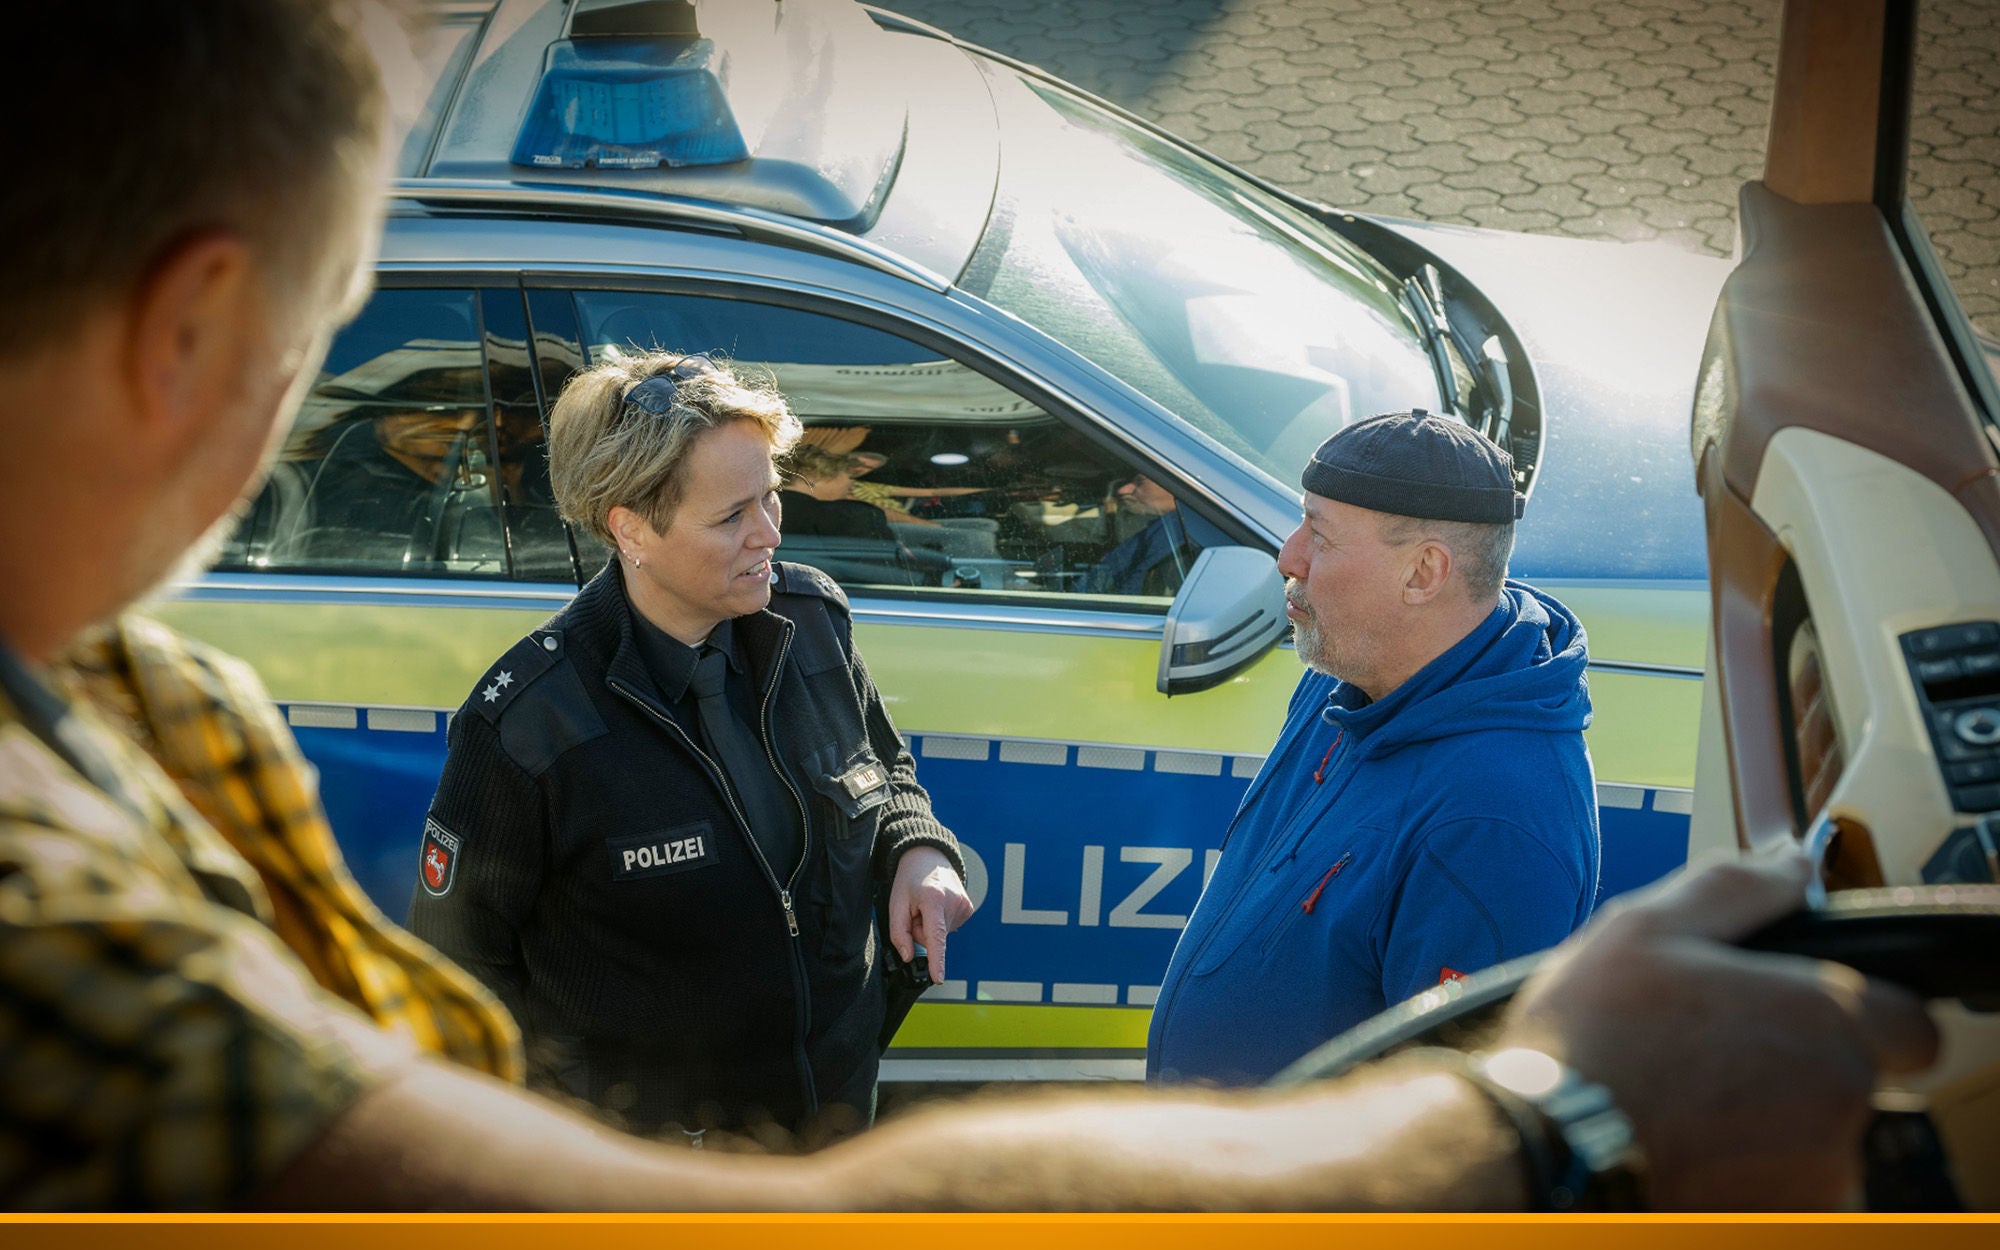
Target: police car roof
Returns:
[[808, 84]]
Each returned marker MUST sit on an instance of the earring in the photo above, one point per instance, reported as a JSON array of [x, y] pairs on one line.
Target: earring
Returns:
[[634, 560]]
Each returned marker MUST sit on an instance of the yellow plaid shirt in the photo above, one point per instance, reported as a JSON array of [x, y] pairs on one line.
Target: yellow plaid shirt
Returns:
[[868, 492], [160, 1045]]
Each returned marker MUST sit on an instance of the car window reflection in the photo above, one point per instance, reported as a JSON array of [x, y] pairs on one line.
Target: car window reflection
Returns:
[[391, 465], [918, 473]]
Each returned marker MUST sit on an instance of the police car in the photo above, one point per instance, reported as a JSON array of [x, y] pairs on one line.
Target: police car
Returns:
[[1076, 361]]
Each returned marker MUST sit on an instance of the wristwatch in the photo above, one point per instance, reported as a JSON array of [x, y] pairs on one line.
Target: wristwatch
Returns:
[[1581, 1152], [1578, 1147]]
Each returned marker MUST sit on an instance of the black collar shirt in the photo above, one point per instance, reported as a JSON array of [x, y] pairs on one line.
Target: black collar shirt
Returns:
[[754, 783]]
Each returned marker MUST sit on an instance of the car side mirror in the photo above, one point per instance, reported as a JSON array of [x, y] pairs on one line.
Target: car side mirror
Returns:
[[1230, 610]]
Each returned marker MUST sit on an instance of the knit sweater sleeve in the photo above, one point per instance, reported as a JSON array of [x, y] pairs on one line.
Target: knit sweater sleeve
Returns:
[[907, 820], [490, 814]]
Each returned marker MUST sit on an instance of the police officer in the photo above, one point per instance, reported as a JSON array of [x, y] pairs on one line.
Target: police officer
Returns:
[[666, 816]]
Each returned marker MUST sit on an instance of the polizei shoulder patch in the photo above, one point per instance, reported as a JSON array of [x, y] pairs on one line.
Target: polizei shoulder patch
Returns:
[[437, 863]]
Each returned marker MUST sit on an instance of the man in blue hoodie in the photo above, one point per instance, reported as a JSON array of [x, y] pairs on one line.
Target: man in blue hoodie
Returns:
[[1429, 808]]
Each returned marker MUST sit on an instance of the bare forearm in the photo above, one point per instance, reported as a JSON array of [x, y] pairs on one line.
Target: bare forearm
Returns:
[[1407, 1142], [437, 1139]]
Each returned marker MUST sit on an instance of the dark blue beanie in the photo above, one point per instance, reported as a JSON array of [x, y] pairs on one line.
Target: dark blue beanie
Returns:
[[1416, 464]]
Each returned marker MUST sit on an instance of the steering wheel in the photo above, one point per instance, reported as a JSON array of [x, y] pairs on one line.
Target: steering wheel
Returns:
[[1942, 943]]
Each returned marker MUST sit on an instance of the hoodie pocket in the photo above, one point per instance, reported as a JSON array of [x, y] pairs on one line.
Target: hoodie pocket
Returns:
[[1278, 909], [1313, 899]]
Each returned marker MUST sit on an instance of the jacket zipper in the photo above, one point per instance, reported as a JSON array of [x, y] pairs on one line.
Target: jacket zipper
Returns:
[[803, 1017], [1312, 900], [1266, 863], [801, 982], [798, 800], [1334, 755], [728, 796]]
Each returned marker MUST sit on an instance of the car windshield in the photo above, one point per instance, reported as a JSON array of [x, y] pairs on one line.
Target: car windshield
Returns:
[[1218, 301]]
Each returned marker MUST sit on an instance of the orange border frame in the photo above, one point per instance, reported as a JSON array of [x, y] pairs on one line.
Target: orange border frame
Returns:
[[1003, 1232]]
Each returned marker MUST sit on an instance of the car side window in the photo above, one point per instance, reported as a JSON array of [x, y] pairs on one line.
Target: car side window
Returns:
[[538, 543], [390, 468], [919, 473]]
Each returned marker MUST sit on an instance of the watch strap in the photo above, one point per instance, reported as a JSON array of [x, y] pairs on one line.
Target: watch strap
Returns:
[[1577, 1147]]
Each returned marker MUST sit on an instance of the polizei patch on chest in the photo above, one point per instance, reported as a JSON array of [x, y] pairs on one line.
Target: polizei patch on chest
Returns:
[[665, 851]]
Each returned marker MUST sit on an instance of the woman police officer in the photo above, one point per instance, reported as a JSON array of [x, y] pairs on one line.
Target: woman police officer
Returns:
[[666, 814]]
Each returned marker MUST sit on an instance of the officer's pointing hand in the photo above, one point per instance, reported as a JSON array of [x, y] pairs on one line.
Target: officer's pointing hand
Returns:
[[928, 901]]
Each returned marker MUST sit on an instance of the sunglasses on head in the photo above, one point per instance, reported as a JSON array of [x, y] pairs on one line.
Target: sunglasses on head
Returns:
[[657, 395]]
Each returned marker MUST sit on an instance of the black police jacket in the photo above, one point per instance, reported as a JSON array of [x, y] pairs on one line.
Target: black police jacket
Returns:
[[583, 860]]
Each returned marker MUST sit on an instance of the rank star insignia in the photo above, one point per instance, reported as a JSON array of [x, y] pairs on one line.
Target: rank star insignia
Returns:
[[503, 681], [491, 692]]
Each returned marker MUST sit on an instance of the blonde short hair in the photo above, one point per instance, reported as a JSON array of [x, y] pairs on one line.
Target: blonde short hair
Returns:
[[606, 453]]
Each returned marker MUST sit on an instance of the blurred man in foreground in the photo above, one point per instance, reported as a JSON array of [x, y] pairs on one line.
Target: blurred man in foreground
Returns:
[[195, 1011]]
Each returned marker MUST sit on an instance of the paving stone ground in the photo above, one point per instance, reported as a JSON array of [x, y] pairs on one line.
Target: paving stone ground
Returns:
[[1622, 119]]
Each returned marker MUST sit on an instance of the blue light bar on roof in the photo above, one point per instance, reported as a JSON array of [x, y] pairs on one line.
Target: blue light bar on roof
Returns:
[[631, 104]]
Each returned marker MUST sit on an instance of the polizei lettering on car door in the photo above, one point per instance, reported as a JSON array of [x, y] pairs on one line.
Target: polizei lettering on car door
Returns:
[[660, 852], [1132, 905]]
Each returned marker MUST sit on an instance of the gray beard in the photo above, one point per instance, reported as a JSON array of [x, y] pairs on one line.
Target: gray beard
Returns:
[[1311, 647]]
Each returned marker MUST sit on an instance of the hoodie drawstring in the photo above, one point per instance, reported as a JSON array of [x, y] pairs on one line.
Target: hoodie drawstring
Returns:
[[1319, 774]]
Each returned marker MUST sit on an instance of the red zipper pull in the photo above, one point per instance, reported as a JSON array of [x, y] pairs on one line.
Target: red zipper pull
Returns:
[[1312, 900], [1319, 774]]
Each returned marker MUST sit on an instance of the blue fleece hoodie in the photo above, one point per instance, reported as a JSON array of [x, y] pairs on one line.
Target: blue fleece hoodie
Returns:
[[1451, 825]]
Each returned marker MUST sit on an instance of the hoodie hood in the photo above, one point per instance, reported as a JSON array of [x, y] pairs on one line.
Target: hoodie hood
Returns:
[[1523, 668]]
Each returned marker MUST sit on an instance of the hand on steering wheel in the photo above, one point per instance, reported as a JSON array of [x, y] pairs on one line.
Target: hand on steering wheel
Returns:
[[1746, 1071]]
